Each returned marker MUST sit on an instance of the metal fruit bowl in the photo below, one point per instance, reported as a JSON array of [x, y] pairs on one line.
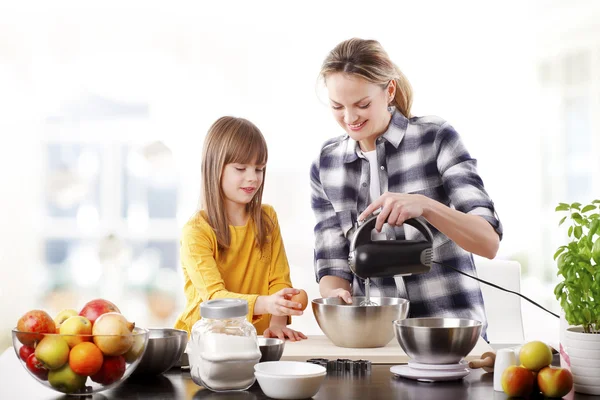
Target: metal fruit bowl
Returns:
[[164, 349], [437, 340], [356, 326]]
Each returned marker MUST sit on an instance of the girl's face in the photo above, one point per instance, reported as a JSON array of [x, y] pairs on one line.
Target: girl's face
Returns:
[[360, 107], [240, 182]]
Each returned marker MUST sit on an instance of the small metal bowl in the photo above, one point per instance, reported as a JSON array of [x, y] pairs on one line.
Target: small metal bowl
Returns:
[[437, 340], [271, 349], [164, 350]]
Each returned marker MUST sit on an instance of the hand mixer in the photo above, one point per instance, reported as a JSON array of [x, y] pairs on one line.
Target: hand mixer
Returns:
[[370, 258]]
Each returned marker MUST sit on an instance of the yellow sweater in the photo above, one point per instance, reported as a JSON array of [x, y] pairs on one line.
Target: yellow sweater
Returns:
[[243, 272]]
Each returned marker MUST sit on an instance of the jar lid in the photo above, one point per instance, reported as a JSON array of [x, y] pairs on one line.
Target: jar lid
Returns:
[[223, 308]]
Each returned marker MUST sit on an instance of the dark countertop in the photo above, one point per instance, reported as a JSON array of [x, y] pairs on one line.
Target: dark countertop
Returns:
[[177, 384]]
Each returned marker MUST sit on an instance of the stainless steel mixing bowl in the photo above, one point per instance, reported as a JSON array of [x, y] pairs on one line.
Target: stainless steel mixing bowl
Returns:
[[164, 349], [437, 340], [356, 326], [271, 349]]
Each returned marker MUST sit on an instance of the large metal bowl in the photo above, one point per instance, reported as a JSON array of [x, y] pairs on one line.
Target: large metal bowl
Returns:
[[164, 349], [437, 340], [356, 326]]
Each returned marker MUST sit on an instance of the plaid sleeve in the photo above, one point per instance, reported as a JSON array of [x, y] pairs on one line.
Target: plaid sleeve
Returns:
[[461, 180], [331, 246]]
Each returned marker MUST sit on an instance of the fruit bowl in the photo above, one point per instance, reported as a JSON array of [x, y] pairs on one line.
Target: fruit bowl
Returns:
[[80, 364]]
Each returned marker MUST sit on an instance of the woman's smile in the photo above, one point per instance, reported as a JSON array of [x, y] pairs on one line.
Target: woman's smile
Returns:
[[356, 127]]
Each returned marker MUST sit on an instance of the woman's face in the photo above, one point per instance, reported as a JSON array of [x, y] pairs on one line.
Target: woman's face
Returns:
[[360, 107]]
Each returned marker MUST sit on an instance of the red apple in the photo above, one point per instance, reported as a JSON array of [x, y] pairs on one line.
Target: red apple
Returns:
[[555, 382], [25, 351], [517, 381], [111, 371], [36, 321], [36, 367], [95, 308]]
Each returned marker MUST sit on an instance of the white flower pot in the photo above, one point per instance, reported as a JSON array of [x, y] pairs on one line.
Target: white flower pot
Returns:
[[584, 353]]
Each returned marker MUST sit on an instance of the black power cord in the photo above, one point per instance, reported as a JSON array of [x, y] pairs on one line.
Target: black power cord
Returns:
[[495, 286]]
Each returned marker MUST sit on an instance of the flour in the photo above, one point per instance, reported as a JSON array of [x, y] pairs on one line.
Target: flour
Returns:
[[224, 362]]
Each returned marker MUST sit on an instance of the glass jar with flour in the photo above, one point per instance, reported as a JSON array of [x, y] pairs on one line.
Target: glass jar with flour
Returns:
[[224, 346]]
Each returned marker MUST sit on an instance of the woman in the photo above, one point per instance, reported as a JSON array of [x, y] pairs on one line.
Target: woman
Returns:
[[408, 167]]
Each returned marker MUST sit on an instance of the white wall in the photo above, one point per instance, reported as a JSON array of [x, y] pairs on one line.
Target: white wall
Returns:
[[469, 64]]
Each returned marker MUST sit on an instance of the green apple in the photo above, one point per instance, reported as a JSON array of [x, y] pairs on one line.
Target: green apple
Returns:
[[52, 351], [65, 380], [76, 326], [136, 350], [63, 316]]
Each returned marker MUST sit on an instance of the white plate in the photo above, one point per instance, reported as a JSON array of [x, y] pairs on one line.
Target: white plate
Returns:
[[439, 367], [428, 375]]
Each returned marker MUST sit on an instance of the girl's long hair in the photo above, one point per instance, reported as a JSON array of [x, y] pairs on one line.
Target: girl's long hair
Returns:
[[232, 140], [368, 59]]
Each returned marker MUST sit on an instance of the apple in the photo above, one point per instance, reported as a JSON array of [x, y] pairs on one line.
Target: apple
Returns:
[[517, 381], [95, 308], [555, 382], [25, 351], [36, 321], [36, 367], [112, 334], [52, 351], [63, 316], [65, 380], [111, 371], [535, 355], [76, 325]]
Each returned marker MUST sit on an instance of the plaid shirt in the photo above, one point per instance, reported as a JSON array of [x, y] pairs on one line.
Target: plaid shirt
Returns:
[[423, 155]]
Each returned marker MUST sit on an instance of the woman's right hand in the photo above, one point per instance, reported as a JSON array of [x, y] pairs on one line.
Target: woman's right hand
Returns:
[[342, 294], [279, 303]]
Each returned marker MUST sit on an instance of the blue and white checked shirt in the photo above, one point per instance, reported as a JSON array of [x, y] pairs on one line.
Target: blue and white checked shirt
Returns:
[[423, 155]]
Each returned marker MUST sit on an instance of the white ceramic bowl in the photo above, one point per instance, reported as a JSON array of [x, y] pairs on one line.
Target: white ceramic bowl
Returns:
[[289, 379]]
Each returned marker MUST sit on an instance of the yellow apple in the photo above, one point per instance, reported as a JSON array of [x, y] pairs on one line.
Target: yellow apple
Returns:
[[52, 351], [535, 355], [112, 334], [63, 316], [78, 326]]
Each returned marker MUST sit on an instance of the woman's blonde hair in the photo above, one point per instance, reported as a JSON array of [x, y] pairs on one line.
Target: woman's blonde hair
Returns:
[[232, 140], [368, 59]]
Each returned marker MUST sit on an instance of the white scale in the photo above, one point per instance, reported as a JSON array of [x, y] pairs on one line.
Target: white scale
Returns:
[[431, 372]]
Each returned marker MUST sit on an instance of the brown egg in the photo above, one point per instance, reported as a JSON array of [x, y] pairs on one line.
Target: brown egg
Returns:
[[301, 298]]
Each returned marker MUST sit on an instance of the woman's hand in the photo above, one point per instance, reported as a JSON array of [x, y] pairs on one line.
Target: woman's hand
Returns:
[[282, 332], [279, 304], [341, 293], [395, 208]]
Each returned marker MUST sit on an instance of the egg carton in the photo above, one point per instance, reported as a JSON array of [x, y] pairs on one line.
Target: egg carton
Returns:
[[343, 366]]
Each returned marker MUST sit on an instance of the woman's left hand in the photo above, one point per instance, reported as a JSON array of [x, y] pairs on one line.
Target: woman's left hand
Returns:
[[395, 208], [283, 332]]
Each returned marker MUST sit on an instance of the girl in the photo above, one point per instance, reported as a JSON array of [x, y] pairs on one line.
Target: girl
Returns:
[[232, 247], [407, 167]]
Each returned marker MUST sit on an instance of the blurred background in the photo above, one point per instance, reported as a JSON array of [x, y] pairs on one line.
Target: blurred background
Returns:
[[103, 112]]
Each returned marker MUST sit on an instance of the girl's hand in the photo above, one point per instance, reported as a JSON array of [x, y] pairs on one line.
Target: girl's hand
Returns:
[[342, 294], [283, 332], [279, 303], [395, 208]]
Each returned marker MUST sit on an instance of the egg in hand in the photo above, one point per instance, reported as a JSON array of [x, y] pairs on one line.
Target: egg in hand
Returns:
[[301, 298]]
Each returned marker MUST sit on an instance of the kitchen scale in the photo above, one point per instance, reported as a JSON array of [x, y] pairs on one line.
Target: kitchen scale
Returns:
[[431, 372]]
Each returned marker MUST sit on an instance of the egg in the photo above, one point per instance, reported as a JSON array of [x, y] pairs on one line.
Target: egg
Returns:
[[301, 298]]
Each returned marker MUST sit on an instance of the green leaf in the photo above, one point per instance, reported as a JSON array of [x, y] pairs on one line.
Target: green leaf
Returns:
[[588, 208], [558, 289], [562, 220], [587, 315], [570, 232], [578, 232], [596, 251], [593, 228], [594, 216], [576, 206], [595, 202], [562, 207]]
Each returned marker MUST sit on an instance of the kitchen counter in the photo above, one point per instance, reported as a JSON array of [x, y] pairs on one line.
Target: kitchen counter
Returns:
[[16, 383]]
